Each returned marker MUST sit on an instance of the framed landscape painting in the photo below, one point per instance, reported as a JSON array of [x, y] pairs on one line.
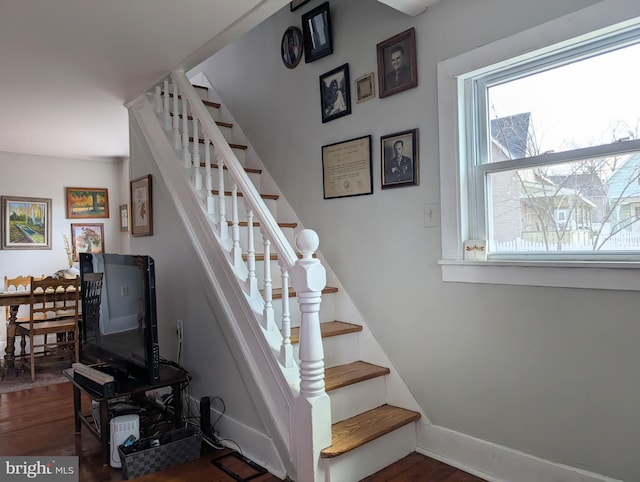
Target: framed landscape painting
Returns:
[[26, 223], [87, 202], [87, 238]]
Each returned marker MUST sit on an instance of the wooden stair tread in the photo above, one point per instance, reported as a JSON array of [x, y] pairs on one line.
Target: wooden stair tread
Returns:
[[215, 105], [250, 170], [242, 147], [276, 293], [256, 224], [365, 427], [274, 197], [350, 373], [218, 123], [328, 329]]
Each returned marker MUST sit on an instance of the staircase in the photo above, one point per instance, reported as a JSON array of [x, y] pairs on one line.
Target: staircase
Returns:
[[319, 356]]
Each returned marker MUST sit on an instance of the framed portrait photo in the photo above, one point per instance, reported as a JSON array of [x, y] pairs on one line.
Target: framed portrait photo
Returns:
[[397, 68], [87, 202], [399, 155], [335, 97], [26, 222], [296, 4], [291, 47], [141, 207], [316, 31], [87, 238], [365, 88]]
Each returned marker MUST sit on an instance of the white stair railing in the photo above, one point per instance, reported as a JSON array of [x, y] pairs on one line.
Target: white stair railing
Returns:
[[307, 275]]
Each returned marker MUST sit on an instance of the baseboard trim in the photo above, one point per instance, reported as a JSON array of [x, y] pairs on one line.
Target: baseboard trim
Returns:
[[492, 462], [237, 436]]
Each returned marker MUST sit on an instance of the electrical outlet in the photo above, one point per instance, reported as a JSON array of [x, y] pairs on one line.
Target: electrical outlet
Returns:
[[124, 290], [179, 328]]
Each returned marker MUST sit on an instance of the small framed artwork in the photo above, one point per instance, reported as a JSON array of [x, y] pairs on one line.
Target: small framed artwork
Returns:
[[26, 223], [87, 238], [399, 154], [316, 32], [296, 4], [291, 47], [365, 88], [87, 202], [335, 98], [124, 218], [141, 207], [346, 168], [397, 68]]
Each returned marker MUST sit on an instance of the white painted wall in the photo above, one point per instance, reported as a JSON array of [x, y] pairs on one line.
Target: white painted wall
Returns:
[[546, 371], [27, 175]]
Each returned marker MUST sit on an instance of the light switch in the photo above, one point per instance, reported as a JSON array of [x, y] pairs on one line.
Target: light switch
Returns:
[[431, 215]]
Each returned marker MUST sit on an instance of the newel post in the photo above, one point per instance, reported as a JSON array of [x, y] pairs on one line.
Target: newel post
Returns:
[[312, 427]]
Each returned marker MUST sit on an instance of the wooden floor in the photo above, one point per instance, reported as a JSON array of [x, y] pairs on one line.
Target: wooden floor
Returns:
[[39, 421]]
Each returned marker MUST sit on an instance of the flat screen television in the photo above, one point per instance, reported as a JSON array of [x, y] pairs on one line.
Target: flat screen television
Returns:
[[123, 335]]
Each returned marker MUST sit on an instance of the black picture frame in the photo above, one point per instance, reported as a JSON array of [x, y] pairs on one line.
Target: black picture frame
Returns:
[[316, 31], [296, 4], [335, 93], [291, 47], [400, 49], [405, 170], [347, 168]]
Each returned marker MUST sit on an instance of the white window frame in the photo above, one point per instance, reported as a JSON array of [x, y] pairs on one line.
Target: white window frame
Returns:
[[591, 22]]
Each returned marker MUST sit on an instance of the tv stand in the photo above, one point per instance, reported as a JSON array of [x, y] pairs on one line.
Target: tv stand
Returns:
[[170, 376]]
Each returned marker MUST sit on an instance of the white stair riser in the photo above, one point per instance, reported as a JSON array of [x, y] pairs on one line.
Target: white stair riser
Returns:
[[240, 153], [226, 177], [327, 312], [271, 205], [337, 350], [349, 401], [373, 456]]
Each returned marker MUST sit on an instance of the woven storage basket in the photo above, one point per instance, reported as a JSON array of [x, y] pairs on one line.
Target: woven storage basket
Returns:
[[177, 447]]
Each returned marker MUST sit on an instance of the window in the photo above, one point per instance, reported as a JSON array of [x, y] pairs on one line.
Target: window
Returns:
[[548, 148]]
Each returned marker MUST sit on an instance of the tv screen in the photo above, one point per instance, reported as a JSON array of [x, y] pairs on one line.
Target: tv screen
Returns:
[[122, 333]]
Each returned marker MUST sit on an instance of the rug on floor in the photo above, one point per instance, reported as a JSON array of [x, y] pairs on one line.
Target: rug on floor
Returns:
[[13, 382]]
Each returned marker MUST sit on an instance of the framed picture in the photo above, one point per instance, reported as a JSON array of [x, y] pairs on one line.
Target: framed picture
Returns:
[[87, 238], [346, 168], [365, 88], [141, 207], [87, 202], [124, 218], [316, 31], [399, 154], [296, 4], [335, 98], [291, 47], [26, 223], [397, 68]]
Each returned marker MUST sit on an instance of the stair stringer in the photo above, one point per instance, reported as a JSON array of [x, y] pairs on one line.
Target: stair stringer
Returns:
[[258, 348], [370, 350]]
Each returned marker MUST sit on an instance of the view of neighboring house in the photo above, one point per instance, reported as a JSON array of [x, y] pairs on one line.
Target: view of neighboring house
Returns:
[[590, 204]]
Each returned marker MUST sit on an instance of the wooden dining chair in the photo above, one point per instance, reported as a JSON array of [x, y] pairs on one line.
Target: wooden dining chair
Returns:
[[57, 300], [19, 283]]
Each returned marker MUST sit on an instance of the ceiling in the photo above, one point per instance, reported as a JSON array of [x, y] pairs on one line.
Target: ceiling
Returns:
[[69, 66]]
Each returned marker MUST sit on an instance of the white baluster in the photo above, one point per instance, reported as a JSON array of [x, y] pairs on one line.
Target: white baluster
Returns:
[[252, 281], [197, 175], [185, 134], [309, 279], [157, 98], [286, 350], [268, 321], [222, 208], [208, 177], [176, 118], [165, 106], [236, 251]]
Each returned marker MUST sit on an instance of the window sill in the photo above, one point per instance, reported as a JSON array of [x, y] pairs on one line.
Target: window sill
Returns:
[[579, 274]]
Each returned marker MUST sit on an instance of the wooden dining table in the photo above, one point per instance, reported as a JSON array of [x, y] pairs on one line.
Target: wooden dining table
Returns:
[[13, 299]]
